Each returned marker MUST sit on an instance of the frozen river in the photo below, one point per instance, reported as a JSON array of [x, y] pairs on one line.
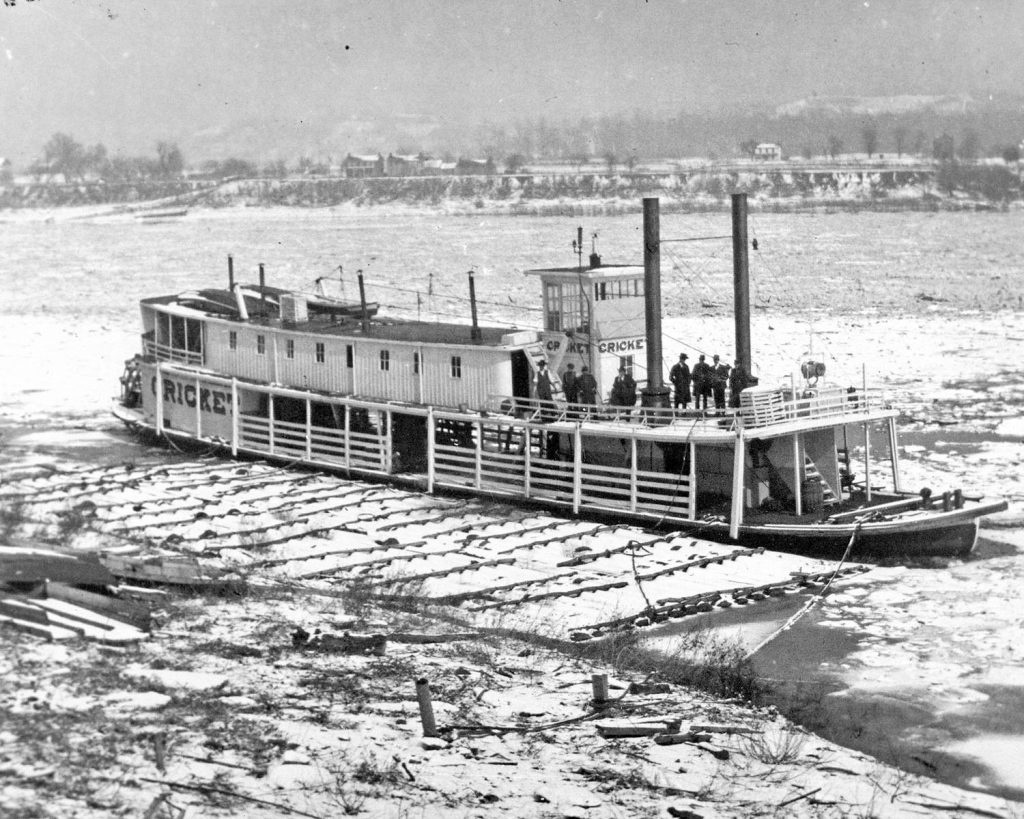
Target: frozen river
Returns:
[[922, 666]]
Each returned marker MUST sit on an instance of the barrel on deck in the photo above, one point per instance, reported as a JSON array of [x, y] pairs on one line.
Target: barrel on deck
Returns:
[[812, 495]]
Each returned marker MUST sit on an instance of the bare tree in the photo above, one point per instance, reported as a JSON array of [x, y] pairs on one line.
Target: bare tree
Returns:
[[899, 136], [514, 163], [169, 159], [62, 154], [611, 160], [869, 134], [835, 146]]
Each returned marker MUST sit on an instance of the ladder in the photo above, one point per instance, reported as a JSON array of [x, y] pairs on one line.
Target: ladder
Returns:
[[811, 473]]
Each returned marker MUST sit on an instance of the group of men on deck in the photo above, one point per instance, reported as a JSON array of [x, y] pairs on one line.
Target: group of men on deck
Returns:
[[709, 381]]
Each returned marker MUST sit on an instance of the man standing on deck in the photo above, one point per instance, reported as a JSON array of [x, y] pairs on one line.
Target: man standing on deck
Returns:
[[623, 390], [719, 378], [701, 382], [586, 386], [543, 384], [738, 382], [570, 383], [679, 375]]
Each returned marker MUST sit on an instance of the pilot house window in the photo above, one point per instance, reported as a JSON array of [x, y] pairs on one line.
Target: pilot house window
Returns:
[[565, 308], [261, 345], [289, 348], [456, 366], [385, 360], [320, 352]]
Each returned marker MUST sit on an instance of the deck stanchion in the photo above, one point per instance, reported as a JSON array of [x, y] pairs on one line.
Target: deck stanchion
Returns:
[[430, 449], [348, 441], [234, 417], [199, 412], [693, 481], [527, 461], [632, 475], [309, 430], [159, 400], [577, 469], [270, 421], [478, 463], [736, 512], [867, 461], [897, 484], [797, 475]]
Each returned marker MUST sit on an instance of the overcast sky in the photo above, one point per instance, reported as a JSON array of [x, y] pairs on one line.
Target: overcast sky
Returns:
[[127, 72]]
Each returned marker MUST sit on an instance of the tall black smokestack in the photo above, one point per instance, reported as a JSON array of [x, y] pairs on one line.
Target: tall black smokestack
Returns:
[[474, 333], [654, 394], [741, 280]]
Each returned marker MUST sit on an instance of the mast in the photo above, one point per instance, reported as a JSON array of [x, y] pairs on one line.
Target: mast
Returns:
[[741, 281], [655, 394]]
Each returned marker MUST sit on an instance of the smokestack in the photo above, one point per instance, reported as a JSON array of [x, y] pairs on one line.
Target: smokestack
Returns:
[[741, 280], [263, 292], [231, 272], [362, 302], [475, 333], [654, 394]]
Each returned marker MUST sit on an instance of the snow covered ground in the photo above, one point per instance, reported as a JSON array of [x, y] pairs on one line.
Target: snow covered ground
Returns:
[[927, 657]]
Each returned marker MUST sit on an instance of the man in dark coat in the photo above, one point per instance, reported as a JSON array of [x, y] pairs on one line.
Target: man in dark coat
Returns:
[[543, 383], [570, 383], [738, 381], [679, 375], [719, 378], [586, 386], [623, 390], [701, 382]]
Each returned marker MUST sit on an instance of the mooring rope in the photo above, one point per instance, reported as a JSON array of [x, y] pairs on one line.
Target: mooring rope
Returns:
[[810, 603]]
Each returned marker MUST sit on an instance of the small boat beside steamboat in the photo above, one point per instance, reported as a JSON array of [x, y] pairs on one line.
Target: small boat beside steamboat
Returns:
[[260, 371]]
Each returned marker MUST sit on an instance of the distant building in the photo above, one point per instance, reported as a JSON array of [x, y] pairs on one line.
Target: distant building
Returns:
[[356, 166], [768, 152], [404, 165], [438, 167], [6, 171], [472, 167]]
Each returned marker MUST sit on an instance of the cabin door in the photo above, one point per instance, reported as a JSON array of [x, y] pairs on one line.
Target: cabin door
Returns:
[[522, 375]]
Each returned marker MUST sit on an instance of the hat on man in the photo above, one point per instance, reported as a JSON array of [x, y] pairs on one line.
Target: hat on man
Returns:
[[683, 356]]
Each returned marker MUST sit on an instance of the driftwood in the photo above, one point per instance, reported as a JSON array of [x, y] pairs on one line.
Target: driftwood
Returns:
[[209, 789], [679, 739], [339, 644]]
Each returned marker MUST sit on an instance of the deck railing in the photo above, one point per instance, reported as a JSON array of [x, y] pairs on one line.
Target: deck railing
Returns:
[[165, 352], [758, 408]]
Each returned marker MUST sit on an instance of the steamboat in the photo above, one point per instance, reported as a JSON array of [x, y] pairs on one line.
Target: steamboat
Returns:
[[304, 378]]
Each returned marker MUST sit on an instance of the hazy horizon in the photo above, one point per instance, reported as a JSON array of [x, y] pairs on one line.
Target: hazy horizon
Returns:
[[126, 75]]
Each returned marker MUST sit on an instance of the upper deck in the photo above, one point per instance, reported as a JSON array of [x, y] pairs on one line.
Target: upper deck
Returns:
[[273, 307]]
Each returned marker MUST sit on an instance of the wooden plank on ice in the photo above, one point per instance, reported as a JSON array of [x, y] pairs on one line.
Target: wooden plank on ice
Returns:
[[37, 566], [129, 611]]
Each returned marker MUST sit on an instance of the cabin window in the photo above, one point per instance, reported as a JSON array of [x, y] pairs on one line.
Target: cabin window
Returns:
[[566, 308], [261, 345], [233, 339], [552, 307], [289, 348], [193, 335], [349, 356], [385, 360], [626, 363], [320, 352], [416, 363], [456, 366]]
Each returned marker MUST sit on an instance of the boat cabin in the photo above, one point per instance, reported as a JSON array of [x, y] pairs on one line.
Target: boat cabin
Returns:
[[594, 316]]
